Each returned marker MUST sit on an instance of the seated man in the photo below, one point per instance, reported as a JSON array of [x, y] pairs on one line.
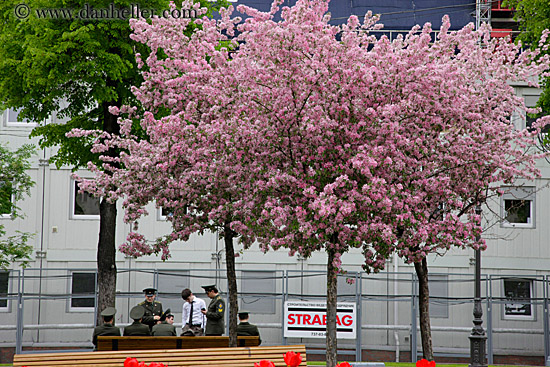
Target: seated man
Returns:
[[137, 328], [108, 328], [165, 327], [245, 328]]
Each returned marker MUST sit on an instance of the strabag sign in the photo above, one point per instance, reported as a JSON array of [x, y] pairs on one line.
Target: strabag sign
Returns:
[[309, 320]]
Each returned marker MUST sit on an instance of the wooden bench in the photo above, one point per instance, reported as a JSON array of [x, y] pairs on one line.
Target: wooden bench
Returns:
[[114, 343], [223, 357]]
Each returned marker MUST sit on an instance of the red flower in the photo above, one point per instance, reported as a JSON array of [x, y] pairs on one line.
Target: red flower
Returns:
[[343, 364], [425, 363], [264, 363], [155, 364], [131, 362], [292, 359]]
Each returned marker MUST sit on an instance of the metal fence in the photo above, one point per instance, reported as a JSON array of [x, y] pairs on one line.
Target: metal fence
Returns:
[[47, 307]]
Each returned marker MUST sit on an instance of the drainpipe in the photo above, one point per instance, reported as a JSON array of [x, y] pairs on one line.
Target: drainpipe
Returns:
[[41, 254], [395, 305]]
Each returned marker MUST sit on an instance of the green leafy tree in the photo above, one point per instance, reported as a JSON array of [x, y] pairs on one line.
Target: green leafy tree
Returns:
[[15, 183], [75, 69]]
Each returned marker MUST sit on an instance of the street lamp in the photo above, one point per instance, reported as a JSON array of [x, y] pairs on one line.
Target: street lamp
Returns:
[[478, 338]]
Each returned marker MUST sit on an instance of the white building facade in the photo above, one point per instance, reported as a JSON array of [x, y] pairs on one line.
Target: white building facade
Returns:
[[51, 304]]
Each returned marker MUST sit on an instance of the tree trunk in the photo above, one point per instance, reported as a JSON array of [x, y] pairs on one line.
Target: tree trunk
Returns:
[[424, 295], [106, 251], [331, 340], [231, 284], [106, 247]]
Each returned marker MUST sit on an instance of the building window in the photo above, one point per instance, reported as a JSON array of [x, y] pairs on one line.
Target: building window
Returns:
[[170, 285], [83, 290], [518, 293], [518, 207], [11, 118], [163, 213], [6, 199], [4, 288], [258, 289], [439, 295], [84, 205]]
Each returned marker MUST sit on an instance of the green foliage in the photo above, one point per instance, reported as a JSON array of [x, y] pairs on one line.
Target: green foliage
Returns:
[[15, 183], [73, 69]]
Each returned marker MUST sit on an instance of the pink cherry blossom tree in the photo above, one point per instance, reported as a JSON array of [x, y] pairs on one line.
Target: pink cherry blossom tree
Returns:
[[379, 145], [313, 137], [174, 157]]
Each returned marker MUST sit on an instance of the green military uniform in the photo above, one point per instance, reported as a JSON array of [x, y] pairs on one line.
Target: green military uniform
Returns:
[[244, 328], [164, 329], [107, 329], [214, 316], [137, 328], [247, 329], [151, 309]]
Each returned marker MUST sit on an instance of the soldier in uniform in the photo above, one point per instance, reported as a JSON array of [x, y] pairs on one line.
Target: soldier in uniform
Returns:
[[245, 328], [108, 328], [165, 327], [215, 312], [137, 328], [153, 309]]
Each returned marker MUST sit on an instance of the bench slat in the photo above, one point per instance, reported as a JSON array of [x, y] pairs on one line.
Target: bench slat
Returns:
[[226, 357], [154, 353], [105, 343]]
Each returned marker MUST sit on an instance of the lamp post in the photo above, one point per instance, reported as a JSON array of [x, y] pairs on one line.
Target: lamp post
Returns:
[[478, 338]]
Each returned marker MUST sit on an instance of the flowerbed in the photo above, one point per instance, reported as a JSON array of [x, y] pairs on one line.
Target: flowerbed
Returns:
[[291, 359]]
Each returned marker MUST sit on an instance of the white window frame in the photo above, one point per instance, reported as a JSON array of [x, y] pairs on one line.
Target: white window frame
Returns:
[[161, 217], [72, 308], [72, 206], [9, 123], [7, 307], [533, 315], [527, 193]]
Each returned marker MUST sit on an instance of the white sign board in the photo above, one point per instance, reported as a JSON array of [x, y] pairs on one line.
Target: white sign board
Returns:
[[309, 320]]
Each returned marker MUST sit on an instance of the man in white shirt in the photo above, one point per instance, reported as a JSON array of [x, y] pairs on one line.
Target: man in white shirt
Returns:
[[193, 320]]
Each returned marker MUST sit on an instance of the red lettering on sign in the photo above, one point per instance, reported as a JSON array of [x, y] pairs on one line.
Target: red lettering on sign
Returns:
[[308, 319], [316, 320], [347, 320]]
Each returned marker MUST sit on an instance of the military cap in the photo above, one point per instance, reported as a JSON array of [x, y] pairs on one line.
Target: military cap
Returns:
[[164, 315], [149, 291], [109, 311], [137, 312], [208, 288]]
